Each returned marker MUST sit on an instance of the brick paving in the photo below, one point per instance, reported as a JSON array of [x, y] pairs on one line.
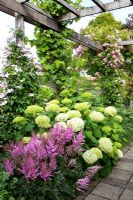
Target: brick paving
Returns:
[[118, 185]]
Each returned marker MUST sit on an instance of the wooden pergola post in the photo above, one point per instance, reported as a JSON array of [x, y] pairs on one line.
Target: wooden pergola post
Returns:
[[19, 26]]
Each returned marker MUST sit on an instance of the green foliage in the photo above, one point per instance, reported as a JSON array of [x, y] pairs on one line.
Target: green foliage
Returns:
[[19, 87], [104, 28]]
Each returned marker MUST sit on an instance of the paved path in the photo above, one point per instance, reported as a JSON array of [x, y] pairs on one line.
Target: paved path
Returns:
[[117, 186]]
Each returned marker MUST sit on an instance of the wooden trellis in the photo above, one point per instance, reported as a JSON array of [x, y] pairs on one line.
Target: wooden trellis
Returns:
[[23, 10]]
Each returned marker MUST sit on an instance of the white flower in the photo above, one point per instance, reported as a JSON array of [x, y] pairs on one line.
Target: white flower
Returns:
[[119, 153], [77, 124], [110, 110], [73, 114], [62, 117], [105, 145], [90, 157], [96, 116]]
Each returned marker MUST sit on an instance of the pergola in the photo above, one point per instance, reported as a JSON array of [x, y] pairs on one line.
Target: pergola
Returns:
[[23, 10]]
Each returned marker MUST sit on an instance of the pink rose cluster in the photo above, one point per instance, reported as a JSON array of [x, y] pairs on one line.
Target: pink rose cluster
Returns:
[[113, 57], [79, 51]]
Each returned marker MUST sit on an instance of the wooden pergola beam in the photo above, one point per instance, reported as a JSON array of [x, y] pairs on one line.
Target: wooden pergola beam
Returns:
[[68, 6], [128, 42], [96, 10], [33, 16], [100, 5]]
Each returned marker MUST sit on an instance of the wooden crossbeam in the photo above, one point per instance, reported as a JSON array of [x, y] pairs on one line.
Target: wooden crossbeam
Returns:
[[128, 42], [34, 16], [68, 6], [96, 10], [100, 5]]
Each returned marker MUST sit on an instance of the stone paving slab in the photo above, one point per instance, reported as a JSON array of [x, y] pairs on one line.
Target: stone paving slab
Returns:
[[94, 197], [107, 191], [131, 180], [125, 166], [127, 195], [120, 174]]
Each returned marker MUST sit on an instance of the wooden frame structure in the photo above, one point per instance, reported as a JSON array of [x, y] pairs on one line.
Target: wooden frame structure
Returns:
[[25, 11]]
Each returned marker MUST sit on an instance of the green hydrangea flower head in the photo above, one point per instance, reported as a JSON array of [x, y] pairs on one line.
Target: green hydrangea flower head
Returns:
[[96, 116], [73, 113], [51, 107], [110, 110], [90, 157], [117, 145], [106, 129], [77, 124], [118, 118], [26, 139], [105, 144], [54, 101], [97, 151], [97, 88], [115, 150], [61, 124], [87, 112], [119, 153], [61, 117], [64, 109], [43, 121], [34, 110], [82, 106], [100, 109], [87, 95], [19, 120], [66, 101], [64, 93]]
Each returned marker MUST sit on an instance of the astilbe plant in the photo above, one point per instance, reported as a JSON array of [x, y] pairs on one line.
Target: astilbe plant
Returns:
[[43, 158]]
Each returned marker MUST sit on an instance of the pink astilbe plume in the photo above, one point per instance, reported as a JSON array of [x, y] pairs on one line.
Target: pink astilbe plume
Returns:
[[39, 158], [77, 144], [29, 168], [9, 166], [82, 184]]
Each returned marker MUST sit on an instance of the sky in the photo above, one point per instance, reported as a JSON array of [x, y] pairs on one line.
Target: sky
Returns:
[[7, 22]]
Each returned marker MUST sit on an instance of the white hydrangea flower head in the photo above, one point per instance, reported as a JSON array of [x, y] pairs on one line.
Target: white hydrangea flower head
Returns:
[[105, 144], [61, 117], [110, 110], [54, 101], [42, 121], [118, 118], [96, 116], [52, 107], [73, 113], [34, 110], [97, 151], [90, 157], [82, 106], [61, 124], [119, 153], [77, 124]]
